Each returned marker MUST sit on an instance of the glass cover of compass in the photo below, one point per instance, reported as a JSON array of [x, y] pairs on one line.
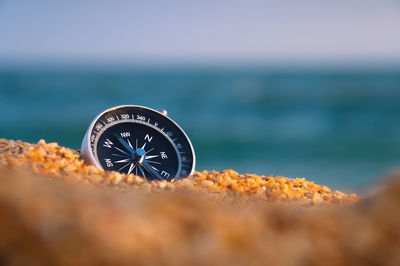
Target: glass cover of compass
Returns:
[[138, 140]]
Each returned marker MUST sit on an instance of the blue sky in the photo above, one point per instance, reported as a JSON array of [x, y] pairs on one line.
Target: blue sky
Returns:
[[200, 31]]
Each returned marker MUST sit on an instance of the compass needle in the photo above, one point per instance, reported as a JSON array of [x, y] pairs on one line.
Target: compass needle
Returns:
[[126, 145], [149, 168]]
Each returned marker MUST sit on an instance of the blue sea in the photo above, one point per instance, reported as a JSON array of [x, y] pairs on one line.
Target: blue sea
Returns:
[[338, 127]]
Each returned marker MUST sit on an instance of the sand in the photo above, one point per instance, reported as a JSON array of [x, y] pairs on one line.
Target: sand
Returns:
[[55, 210]]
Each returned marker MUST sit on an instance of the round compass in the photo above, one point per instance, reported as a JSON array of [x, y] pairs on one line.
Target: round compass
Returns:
[[138, 140]]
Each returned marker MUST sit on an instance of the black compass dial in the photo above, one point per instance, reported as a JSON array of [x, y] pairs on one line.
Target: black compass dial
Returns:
[[139, 149], [141, 141]]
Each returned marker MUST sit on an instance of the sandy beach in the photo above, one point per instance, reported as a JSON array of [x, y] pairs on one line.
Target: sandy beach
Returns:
[[58, 211]]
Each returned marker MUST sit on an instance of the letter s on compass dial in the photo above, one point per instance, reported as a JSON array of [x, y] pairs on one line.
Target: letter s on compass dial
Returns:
[[138, 140]]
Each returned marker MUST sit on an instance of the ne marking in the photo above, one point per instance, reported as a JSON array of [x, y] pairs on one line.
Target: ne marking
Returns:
[[163, 155]]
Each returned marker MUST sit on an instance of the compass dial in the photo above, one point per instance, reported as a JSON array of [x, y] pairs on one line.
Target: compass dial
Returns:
[[141, 141]]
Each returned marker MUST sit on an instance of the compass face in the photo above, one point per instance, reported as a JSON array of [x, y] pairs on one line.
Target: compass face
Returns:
[[141, 141]]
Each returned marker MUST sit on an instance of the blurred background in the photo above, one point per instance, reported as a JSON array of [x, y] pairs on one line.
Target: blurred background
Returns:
[[295, 88]]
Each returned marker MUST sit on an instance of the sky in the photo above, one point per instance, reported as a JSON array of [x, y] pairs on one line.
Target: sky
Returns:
[[200, 31]]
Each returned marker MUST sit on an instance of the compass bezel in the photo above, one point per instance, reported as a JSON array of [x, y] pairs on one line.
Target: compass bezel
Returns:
[[88, 154]]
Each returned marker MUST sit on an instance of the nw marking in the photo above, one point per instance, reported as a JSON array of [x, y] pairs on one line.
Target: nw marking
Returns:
[[125, 134]]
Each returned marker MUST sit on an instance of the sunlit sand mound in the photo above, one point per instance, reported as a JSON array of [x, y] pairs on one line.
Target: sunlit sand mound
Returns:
[[59, 162], [55, 210]]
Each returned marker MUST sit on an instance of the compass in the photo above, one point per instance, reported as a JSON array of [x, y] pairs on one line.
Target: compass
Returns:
[[138, 140]]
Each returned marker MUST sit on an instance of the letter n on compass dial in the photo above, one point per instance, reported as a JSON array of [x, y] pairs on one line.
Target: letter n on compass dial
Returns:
[[141, 141]]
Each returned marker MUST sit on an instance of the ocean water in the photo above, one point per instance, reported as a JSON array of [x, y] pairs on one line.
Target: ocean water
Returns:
[[338, 127]]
